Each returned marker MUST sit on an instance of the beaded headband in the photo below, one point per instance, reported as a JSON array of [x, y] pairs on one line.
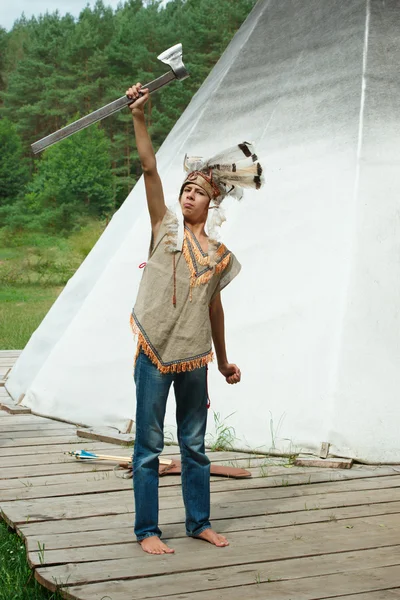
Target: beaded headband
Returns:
[[203, 180]]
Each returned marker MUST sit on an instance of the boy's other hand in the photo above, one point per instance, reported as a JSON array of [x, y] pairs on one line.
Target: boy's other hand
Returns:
[[231, 372]]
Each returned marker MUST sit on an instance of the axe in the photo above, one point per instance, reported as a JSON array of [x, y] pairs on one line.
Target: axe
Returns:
[[171, 57]]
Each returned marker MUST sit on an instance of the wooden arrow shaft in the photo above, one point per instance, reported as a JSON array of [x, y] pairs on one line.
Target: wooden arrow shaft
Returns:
[[125, 459]]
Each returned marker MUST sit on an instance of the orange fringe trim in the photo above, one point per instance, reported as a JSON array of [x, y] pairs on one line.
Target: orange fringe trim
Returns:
[[188, 258], [221, 266], [221, 250], [136, 332], [187, 365], [205, 277], [134, 327]]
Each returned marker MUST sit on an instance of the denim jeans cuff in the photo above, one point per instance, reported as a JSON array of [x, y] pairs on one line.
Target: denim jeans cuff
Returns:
[[208, 526]]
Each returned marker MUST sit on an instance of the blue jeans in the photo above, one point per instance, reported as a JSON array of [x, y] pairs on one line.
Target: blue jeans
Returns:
[[152, 388]]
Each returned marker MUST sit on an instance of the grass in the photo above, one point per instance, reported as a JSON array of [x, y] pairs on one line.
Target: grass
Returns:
[[33, 270], [22, 308], [224, 436], [16, 578]]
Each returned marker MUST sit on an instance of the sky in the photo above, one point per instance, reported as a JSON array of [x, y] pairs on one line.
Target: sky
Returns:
[[10, 10]]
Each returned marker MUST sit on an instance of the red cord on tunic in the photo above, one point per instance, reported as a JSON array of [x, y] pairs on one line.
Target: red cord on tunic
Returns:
[[174, 294]]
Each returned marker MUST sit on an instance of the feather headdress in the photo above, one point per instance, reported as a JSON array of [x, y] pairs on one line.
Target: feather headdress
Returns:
[[224, 174], [230, 170]]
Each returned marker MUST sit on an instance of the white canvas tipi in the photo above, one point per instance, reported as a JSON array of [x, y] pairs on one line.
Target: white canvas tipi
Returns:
[[313, 319]]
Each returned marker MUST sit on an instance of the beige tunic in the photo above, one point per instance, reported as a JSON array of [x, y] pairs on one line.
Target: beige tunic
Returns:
[[171, 316]]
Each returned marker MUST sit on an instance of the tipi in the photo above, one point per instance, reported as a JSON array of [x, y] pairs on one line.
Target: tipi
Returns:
[[313, 320]]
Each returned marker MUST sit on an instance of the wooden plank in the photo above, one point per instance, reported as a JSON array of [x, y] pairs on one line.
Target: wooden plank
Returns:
[[321, 588], [297, 476], [393, 594], [303, 487], [327, 463], [6, 364], [222, 504], [23, 455], [117, 530], [14, 442], [221, 578], [14, 410], [82, 483], [7, 419], [54, 455], [107, 434], [91, 483], [38, 418], [44, 458], [58, 466], [45, 450], [307, 539], [53, 476], [36, 427], [44, 433], [48, 470], [128, 560], [170, 528]]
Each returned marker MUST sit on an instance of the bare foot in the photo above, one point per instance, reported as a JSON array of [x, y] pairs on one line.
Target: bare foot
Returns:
[[209, 535], [153, 545]]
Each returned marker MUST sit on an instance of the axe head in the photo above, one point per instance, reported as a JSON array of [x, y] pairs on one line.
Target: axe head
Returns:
[[173, 58]]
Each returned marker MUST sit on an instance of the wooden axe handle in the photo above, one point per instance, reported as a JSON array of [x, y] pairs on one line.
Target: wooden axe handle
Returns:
[[98, 115]]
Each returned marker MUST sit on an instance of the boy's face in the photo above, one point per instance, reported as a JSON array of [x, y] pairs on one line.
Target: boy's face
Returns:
[[194, 202]]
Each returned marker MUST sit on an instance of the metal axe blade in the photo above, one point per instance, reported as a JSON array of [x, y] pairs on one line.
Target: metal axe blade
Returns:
[[171, 57]]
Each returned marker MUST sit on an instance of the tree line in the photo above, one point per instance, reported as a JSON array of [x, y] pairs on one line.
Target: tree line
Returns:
[[55, 69]]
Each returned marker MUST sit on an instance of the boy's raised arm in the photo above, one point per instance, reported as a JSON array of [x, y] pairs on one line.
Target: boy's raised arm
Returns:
[[153, 185]]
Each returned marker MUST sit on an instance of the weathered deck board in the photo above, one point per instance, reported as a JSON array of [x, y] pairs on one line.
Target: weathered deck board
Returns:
[[118, 532], [43, 432], [13, 441], [13, 409], [223, 577], [257, 503], [393, 594], [35, 427], [295, 533], [126, 561], [307, 539], [45, 449], [310, 588], [105, 481]]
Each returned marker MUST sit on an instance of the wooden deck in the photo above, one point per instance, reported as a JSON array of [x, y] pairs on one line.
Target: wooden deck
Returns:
[[295, 533]]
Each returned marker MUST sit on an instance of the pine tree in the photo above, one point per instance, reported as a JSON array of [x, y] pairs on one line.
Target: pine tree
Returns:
[[73, 181], [33, 99], [14, 170]]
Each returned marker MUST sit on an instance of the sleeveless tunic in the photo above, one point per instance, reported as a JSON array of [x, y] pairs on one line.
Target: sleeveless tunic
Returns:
[[171, 316]]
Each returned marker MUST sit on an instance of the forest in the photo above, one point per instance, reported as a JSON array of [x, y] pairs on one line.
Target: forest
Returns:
[[53, 70]]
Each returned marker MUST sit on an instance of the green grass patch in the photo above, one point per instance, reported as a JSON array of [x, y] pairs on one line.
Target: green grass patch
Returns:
[[16, 578], [38, 259], [34, 268], [22, 308]]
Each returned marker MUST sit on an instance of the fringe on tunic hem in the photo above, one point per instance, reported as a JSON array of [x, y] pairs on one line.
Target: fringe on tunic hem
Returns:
[[178, 367]]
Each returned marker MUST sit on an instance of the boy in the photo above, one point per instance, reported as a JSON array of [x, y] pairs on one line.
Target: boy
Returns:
[[177, 312]]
